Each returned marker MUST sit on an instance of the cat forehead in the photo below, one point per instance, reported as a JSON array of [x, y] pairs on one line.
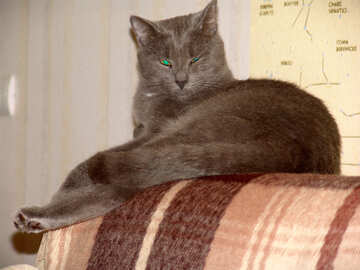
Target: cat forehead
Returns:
[[179, 27]]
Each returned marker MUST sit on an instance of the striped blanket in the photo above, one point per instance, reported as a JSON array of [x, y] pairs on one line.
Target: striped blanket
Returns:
[[269, 221]]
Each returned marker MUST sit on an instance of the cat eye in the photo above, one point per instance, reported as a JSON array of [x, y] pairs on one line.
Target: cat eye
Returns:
[[165, 62], [194, 60]]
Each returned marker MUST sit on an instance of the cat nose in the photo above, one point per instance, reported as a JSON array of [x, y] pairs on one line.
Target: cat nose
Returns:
[[181, 84], [181, 79]]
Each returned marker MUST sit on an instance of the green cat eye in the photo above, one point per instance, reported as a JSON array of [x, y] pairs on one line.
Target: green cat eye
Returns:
[[194, 60], [165, 63]]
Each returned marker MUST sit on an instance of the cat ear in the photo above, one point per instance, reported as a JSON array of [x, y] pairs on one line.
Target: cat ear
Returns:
[[208, 19], [143, 29]]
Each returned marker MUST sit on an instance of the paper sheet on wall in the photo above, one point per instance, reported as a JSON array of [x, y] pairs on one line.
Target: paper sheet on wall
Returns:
[[315, 44]]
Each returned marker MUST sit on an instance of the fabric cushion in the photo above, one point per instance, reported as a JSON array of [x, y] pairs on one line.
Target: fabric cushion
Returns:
[[257, 221], [19, 267]]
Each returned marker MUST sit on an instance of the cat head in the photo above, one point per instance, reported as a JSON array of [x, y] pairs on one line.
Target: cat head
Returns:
[[181, 55]]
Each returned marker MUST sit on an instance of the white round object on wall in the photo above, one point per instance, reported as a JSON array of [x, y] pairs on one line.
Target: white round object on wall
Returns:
[[8, 96]]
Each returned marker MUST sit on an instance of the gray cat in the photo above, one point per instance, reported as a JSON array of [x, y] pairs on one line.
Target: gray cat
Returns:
[[194, 119]]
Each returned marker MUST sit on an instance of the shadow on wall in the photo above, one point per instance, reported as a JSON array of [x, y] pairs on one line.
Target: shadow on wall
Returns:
[[26, 243]]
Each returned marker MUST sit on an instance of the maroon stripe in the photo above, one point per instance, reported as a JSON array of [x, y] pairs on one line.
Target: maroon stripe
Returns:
[[119, 239], [189, 224], [337, 229]]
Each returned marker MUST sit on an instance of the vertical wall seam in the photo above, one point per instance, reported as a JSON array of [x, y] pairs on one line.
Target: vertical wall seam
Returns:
[[103, 92], [67, 98], [47, 97], [22, 90]]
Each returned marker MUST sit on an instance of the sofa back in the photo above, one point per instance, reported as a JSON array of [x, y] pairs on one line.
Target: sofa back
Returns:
[[256, 221]]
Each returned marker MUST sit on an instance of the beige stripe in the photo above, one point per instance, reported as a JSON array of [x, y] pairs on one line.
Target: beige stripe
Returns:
[[261, 227], [41, 260], [67, 231], [286, 242], [315, 210], [319, 204], [303, 234], [54, 248], [153, 227], [57, 248], [61, 249], [82, 238], [237, 227], [20, 267], [293, 197]]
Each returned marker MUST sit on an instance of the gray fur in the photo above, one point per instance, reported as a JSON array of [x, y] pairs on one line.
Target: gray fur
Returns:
[[194, 119]]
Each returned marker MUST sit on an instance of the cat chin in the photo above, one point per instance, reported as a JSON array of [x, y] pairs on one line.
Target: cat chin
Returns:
[[182, 93], [188, 89]]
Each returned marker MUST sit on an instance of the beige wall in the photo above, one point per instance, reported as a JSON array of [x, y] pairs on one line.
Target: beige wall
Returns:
[[75, 66]]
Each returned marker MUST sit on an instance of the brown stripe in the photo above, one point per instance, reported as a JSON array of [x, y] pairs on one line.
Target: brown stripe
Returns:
[[120, 236], [189, 224], [153, 227], [337, 230]]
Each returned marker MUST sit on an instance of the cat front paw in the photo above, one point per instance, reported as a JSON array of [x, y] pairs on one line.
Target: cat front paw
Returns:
[[27, 220]]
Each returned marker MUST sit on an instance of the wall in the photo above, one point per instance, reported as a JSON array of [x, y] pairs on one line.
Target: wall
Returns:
[[74, 62]]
